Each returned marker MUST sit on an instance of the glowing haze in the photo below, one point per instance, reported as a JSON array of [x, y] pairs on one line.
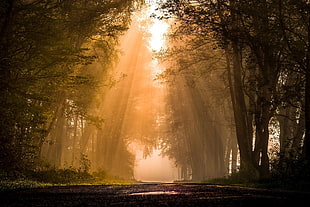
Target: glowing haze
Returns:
[[144, 98], [155, 167]]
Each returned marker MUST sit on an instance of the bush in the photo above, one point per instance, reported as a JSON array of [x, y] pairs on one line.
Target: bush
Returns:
[[6, 185], [100, 175], [291, 173], [62, 176]]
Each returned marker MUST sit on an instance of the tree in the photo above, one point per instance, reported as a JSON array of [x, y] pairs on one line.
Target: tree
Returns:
[[260, 41], [45, 49]]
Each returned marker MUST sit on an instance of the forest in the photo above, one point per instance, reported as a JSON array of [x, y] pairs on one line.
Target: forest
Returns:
[[255, 55], [237, 104], [55, 58]]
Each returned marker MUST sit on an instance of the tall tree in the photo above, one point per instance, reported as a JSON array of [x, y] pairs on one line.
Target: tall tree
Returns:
[[45, 48], [262, 40]]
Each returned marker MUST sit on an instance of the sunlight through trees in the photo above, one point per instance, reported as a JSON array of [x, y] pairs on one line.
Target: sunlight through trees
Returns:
[[217, 88]]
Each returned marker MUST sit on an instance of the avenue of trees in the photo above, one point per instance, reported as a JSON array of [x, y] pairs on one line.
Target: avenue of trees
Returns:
[[55, 57], [239, 72], [260, 51]]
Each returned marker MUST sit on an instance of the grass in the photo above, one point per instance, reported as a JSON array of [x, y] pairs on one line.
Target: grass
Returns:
[[271, 183], [7, 185], [56, 177]]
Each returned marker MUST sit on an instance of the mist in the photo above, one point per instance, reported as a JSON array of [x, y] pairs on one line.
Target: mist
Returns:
[[152, 128]]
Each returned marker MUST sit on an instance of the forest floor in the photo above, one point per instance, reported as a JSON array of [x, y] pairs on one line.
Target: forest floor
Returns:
[[153, 194]]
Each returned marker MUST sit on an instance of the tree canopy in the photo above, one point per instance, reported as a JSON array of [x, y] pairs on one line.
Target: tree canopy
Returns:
[[47, 47], [266, 45]]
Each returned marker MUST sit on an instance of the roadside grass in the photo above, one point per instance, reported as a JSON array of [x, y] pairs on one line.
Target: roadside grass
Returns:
[[57, 177], [8, 185], [270, 183], [29, 184]]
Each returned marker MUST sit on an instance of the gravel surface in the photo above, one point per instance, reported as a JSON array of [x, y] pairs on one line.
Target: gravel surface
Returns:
[[153, 195]]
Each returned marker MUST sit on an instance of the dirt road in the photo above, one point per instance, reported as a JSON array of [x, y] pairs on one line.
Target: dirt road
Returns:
[[153, 195]]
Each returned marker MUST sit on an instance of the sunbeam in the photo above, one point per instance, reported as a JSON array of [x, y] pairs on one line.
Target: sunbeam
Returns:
[[135, 108]]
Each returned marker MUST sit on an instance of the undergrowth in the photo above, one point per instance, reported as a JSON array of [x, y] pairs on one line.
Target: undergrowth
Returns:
[[287, 174], [284, 182], [15, 180]]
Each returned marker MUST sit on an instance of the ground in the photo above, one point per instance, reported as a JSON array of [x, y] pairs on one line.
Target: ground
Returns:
[[153, 194]]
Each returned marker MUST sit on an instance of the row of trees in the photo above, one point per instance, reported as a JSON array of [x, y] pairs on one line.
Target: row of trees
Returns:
[[200, 138], [48, 79], [200, 135], [264, 50]]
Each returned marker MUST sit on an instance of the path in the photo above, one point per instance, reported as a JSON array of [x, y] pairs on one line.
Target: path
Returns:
[[153, 195]]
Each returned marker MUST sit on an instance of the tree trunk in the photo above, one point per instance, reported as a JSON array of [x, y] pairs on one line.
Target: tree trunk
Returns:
[[264, 108], [75, 149], [60, 135], [88, 132], [240, 111], [306, 149], [261, 142], [299, 132], [7, 19], [307, 117], [285, 132], [50, 125], [234, 157]]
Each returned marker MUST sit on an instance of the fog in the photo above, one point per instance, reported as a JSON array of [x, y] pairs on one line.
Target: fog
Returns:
[[135, 108], [146, 116], [153, 129]]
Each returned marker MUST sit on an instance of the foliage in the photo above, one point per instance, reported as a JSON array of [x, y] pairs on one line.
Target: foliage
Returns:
[[47, 48], [45, 176], [274, 182], [55, 177], [100, 174], [103, 177], [62, 176], [291, 173], [267, 68], [21, 184], [85, 163]]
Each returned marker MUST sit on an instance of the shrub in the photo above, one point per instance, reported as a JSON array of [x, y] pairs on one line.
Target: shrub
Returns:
[[62, 176]]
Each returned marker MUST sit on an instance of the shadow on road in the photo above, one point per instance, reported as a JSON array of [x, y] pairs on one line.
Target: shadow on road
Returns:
[[153, 194]]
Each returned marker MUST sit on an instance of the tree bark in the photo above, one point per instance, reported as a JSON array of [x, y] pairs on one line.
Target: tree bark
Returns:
[[261, 143], [240, 111], [285, 131], [307, 100], [7, 18]]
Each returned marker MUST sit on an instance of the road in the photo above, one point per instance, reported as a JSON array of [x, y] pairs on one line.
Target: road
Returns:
[[153, 194]]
